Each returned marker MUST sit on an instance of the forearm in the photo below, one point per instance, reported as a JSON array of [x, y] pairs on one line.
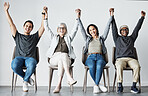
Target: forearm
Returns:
[[106, 31], [41, 30], [114, 30], [138, 27], [10, 21], [82, 30], [47, 28], [74, 30]]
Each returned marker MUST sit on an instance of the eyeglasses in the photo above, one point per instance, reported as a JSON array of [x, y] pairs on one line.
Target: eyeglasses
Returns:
[[61, 28], [124, 29]]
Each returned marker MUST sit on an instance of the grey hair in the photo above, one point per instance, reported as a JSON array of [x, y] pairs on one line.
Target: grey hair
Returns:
[[64, 26]]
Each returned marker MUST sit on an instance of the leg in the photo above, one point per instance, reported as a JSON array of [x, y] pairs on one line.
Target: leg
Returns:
[[30, 64], [99, 69], [133, 63], [66, 64], [17, 65], [92, 68], [120, 64], [60, 77]]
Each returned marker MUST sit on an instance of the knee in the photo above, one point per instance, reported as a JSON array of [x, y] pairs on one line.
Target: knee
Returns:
[[100, 64], [91, 66], [137, 67], [14, 65], [31, 68], [119, 66]]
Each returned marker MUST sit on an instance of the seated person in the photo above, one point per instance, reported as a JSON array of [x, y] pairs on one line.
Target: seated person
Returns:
[[124, 53]]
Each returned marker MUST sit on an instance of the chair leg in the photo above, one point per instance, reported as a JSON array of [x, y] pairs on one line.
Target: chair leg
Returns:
[[85, 81], [116, 86], [35, 85], [12, 82], [15, 82], [71, 73], [50, 78], [114, 80], [107, 73], [104, 78], [139, 84]]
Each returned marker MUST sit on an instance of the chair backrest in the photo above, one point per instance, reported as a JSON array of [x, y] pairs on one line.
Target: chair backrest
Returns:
[[84, 57], [37, 54], [113, 55]]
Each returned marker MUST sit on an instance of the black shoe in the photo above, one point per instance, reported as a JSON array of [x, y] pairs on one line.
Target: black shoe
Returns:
[[120, 89], [134, 90]]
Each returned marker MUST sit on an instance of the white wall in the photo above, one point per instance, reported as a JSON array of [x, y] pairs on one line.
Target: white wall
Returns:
[[93, 11]]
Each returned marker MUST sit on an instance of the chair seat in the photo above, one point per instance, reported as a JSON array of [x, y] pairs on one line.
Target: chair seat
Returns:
[[127, 68], [105, 67], [56, 66]]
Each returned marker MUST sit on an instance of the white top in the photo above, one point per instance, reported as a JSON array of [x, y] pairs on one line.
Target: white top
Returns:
[[55, 39]]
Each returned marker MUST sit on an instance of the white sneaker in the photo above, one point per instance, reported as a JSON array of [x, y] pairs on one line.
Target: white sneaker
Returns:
[[96, 89], [25, 86], [102, 88], [31, 82]]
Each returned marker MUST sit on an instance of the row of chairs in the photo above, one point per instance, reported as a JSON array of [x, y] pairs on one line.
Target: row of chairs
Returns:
[[84, 57]]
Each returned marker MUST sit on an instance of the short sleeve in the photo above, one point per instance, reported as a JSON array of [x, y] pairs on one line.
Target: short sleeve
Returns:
[[16, 35]]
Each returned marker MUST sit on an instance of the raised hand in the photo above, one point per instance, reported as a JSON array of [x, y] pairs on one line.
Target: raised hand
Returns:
[[6, 6], [111, 10], [78, 12], [143, 13], [45, 9]]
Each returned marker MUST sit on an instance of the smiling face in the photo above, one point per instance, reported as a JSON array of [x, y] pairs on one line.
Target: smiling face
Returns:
[[27, 28], [62, 30], [124, 31], [93, 31]]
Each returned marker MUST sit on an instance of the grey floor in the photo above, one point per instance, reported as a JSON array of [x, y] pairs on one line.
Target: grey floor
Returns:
[[65, 91]]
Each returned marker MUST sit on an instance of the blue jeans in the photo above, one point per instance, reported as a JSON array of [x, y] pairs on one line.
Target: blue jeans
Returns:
[[95, 62], [19, 62]]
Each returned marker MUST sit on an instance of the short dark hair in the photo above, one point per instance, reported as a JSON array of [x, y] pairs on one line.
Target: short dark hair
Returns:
[[95, 28], [29, 22]]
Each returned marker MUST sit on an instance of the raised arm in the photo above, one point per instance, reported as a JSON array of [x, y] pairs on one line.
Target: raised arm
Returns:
[[114, 27], [75, 28], [41, 29], [106, 31], [138, 26], [49, 33], [85, 36], [10, 21]]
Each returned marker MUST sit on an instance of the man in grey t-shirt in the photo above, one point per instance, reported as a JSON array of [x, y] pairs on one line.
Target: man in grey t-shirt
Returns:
[[25, 53]]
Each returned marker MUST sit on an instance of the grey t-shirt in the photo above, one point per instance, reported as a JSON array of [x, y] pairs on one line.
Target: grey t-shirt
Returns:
[[26, 44]]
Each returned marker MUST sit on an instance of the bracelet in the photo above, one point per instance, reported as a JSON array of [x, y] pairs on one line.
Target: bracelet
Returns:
[[43, 13]]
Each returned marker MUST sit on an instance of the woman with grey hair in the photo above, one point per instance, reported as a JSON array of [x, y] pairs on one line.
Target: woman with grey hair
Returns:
[[60, 51]]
